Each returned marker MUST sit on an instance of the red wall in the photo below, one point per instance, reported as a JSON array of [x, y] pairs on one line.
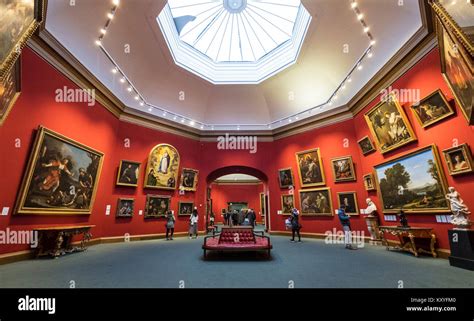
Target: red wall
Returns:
[[97, 128]]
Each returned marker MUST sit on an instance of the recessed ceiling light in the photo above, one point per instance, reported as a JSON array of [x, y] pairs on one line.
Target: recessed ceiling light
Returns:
[[360, 16], [370, 55], [366, 29], [192, 123], [110, 15], [142, 103], [116, 2], [130, 89], [137, 97], [354, 5], [103, 31], [359, 67], [150, 109], [372, 42], [98, 42], [202, 127], [122, 80], [114, 70]]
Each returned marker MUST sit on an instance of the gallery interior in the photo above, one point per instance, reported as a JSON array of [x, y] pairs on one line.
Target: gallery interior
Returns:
[[237, 143]]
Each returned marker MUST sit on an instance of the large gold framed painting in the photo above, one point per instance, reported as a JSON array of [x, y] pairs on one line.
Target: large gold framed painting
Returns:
[[19, 20], [414, 182], [310, 168], [389, 125], [62, 176], [10, 89], [162, 167]]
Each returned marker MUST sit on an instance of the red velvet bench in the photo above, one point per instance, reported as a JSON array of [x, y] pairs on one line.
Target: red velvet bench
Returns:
[[241, 238]]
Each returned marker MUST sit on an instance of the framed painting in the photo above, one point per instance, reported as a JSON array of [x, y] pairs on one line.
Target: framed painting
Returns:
[[125, 207], [432, 109], [343, 169], [458, 159], [389, 125], [10, 89], [263, 207], [128, 173], [366, 145], [185, 208], [285, 177], [20, 18], [162, 167], [316, 202], [369, 182], [62, 176], [287, 203], [457, 71], [349, 199], [157, 206], [414, 182], [310, 168], [189, 179]]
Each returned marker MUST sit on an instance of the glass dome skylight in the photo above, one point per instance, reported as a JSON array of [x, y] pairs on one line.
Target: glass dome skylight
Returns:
[[234, 41]]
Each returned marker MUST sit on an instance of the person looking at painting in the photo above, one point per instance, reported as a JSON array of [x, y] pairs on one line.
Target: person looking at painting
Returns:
[[346, 226], [193, 224], [295, 225], [251, 217], [170, 219]]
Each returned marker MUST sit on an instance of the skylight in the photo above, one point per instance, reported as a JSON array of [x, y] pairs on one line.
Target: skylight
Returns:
[[234, 41]]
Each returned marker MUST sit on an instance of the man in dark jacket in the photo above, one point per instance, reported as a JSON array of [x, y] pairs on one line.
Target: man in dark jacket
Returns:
[[346, 226], [251, 217]]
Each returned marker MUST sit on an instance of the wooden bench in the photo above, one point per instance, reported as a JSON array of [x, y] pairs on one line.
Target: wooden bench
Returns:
[[57, 240]]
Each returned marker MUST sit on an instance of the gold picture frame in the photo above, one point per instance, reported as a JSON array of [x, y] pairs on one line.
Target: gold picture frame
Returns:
[[343, 169], [286, 208], [352, 208], [49, 185], [458, 160], [128, 173], [369, 182], [263, 206], [310, 205], [188, 174], [439, 109], [24, 19], [387, 136], [285, 177], [422, 193], [10, 90], [154, 206], [314, 177], [185, 208], [123, 210], [366, 145], [162, 167]]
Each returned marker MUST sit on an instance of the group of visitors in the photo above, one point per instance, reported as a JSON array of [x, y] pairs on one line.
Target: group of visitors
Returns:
[[193, 225], [245, 217]]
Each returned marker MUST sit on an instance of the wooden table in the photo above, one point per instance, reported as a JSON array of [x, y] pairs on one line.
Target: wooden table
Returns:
[[57, 240], [412, 239]]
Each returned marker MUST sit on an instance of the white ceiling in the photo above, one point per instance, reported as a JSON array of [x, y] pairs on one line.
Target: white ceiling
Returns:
[[237, 178], [321, 67]]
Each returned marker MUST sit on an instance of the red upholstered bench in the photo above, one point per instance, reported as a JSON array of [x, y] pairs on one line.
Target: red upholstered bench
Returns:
[[241, 238]]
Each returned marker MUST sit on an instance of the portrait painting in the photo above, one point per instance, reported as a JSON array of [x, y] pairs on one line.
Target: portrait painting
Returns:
[[20, 18], [185, 208], [343, 169], [125, 207], [458, 159], [287, 204], [285, 177], [157, 206], [189, 179], [316, 202], [432, 109], [414, 182], [457, 72], [310, 168], [366, 145], [349, 200], [369, 182], [128, 173], [62, 176], [162, 167], [389, 125], [10, 89]]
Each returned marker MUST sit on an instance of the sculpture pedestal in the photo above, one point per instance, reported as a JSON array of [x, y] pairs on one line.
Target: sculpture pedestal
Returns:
[[462, 248], [373, 227]]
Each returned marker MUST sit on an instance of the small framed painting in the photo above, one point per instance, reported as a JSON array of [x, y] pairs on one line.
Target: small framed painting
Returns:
[[285, 177], [369, 182], [432, 109], [128, 173], [189, 179], [343, 169], [185, 208], [157, 206], [10, 90], [458, 159], [349, 199], [287, 204], [125, 207], [366, 145]]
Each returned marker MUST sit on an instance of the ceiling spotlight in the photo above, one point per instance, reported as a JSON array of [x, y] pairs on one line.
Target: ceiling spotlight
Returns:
[[335, 97], [98, 42], [142, 103], [366, 29], [202, 127], [349, 79], [103, 31], [354, 5], [343, 86], [192, 123], [289, 120], [137, 97], [360, 16], [164, 113], [297, 118], [182, 120], [114, 70], [110, 15], [122, 80], [130, 89], [150, 109], [372, 42], [370, 54], [359, 67], [116, 2], [174, 118]]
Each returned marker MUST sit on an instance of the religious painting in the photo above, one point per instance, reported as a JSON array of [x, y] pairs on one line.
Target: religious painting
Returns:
[[285, 177], [414, 182], [162, 167], [316, 202], [185, 208], [128, 173], [10, 90], [432, 109], [125, 207], [366, 145], [458, 159], [457, 72], [310, 168], [157, 206], [349, 200], [369, 182], [389, 125], [20, 18], [343, 169], [62, 176], [287, 204], [189, 179]]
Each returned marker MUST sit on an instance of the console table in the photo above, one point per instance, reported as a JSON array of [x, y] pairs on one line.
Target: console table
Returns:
[[412, 239], [57, 240]]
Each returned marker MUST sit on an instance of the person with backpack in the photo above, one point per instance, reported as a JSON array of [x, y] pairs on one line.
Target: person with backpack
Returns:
[[295, 225], [346, 226], [170, 225]]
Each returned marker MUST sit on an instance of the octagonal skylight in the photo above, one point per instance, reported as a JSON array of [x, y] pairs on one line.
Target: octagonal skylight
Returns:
[[234, 41]]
